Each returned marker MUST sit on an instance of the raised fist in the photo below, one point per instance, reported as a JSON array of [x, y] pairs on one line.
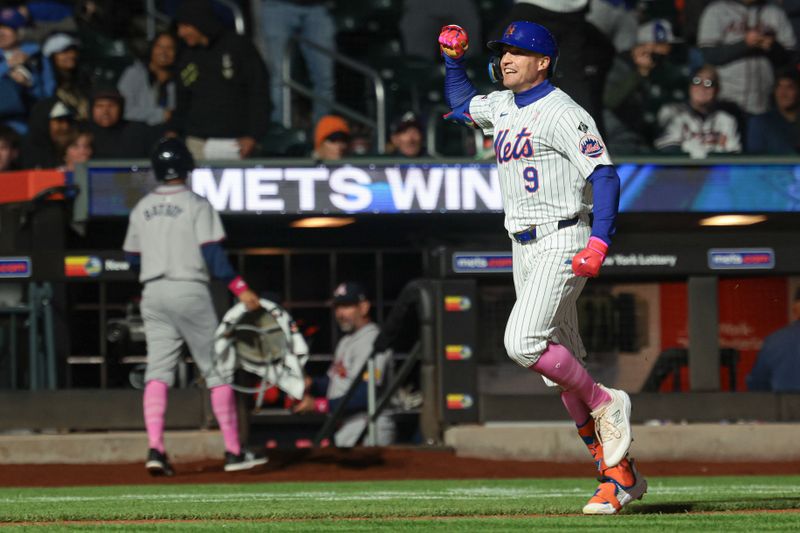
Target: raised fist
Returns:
[[453, 41], [588, 261]]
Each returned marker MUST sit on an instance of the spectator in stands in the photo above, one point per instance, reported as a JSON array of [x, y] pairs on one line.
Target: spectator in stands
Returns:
[[566, 19], [423, 18], [9, 148], [617, 20], [746, 40], [777, 367], [351, 308], [222, 106], [115, 137], [64, 76], [309, 19], [361, 138], [407, 138], [699, 128], [46, 17], [777, 132], [149, 89], [79, 149], [331, 138], [48, 134], [20, 81], [642, 81]]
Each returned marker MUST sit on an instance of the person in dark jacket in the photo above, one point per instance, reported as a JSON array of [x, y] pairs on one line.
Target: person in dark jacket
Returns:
[[777, 132], [49, 129], [223, 90], [115, 137], [777, 367]]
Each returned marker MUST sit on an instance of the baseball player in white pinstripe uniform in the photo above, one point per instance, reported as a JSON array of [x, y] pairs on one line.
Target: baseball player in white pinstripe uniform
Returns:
[[555, 173]]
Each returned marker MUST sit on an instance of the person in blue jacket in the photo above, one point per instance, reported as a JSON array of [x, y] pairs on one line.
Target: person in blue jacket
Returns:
[[777, 367]]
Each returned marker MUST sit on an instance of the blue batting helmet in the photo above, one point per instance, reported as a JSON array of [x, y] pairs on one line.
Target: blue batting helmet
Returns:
[[528, 36]]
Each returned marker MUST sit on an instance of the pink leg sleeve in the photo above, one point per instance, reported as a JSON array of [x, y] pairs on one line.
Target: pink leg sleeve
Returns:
[[155, 406], [223, 403], [559, 366], [577, 409]]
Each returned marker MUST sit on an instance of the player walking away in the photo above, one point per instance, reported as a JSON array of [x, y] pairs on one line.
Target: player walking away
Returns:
[[174, 237], [547, 147]]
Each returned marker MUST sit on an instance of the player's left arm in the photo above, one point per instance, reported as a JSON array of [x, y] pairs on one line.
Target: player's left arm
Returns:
[[132, 246], [578, 138], [605, 188], [210, 234]]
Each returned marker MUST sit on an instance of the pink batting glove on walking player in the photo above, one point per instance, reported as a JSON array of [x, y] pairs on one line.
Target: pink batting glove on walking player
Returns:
[[588, 261], [453, 41]]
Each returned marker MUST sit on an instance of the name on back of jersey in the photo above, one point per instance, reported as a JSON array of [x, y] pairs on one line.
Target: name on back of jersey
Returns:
[[162, 210]]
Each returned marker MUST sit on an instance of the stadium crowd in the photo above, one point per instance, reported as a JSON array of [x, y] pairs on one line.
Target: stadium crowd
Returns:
[[79, 80]]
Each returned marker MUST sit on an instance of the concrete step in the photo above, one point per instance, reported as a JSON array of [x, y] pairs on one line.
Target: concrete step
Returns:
[[670, 442]]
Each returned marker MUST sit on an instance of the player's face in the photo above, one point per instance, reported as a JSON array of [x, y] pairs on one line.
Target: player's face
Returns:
[[522, 69], [106, 112]]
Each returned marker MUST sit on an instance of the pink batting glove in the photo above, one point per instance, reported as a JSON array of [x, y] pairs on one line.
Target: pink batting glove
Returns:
[[588, 261]]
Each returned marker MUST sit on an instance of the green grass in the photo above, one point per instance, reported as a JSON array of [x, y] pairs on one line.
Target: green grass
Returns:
[[672, 503]]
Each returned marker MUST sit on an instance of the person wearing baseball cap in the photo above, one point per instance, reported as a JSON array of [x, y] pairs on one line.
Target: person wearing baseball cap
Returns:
[[115, 137], [51, 126], [63, 75], [407, 138], [331, 138], [351, 308], [641, 81]]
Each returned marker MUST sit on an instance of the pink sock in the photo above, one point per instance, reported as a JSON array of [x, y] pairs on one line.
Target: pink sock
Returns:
[[577, 410], [560, 367], [155, 405], [223, 403]]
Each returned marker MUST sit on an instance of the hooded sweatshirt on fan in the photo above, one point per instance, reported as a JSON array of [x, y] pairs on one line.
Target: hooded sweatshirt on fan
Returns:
[[223, 87]]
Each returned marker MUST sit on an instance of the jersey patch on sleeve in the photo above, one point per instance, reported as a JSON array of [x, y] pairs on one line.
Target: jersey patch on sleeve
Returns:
[[590, 146]]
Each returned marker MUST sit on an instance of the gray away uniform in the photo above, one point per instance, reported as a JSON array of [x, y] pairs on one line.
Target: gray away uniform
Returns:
[[167, 228], [351, 352]]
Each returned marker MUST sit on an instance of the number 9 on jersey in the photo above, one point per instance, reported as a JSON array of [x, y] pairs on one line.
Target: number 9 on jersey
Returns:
[[531, 177]]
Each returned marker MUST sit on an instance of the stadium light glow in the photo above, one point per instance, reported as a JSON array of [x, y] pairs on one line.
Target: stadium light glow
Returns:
[[733, 220], [322, 222]]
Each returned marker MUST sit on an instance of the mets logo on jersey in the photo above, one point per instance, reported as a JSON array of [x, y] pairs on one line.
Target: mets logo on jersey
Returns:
[[591, 146], [518, 147]]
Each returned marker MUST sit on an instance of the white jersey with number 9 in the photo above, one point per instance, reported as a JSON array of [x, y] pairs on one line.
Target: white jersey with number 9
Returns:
[[544, 153]]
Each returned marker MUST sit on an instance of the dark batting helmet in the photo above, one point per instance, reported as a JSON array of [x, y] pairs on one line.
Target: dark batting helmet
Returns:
[[527, 36], [171, 159]]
